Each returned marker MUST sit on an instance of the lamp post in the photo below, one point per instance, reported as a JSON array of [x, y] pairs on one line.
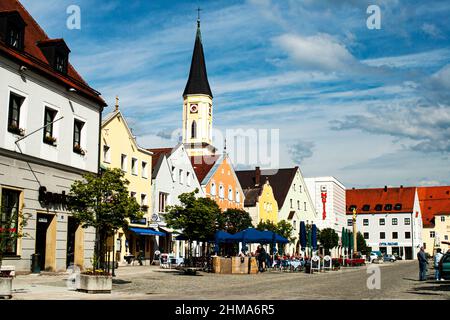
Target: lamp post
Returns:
[[355, 246]]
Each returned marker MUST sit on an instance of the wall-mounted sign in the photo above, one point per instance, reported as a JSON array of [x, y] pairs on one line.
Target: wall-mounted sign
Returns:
[[384, 244], [139, 221], [54, 199]]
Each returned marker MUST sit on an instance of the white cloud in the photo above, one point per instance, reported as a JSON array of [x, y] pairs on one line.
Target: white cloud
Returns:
[[432, 31], [318, 52]]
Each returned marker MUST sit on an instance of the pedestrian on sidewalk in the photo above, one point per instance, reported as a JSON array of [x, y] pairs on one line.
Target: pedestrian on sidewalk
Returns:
[[423, 262], [437, 258]]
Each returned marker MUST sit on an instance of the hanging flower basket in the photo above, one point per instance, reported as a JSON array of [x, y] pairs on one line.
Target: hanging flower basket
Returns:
[[77, 149], [16, 130]]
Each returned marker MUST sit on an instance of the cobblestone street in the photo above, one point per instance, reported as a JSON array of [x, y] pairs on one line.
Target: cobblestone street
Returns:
[[398, 281]]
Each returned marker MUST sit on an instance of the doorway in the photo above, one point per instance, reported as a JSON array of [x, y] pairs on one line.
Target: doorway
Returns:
[[42, 226], [408, 253], [72, 227]]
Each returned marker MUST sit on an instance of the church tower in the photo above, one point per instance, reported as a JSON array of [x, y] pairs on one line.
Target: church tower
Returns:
[[197, 105]]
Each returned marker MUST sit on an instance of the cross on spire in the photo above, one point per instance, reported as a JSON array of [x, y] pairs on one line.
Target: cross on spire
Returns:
[[198, 13]]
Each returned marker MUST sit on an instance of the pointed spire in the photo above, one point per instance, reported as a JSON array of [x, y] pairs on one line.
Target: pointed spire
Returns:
[[198, 78], [117, 103]]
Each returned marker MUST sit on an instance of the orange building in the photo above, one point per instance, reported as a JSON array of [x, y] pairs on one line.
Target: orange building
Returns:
[[219, 181]]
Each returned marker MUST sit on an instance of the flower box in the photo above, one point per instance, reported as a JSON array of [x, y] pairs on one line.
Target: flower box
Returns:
[[77, 149], [6, 287], [16, 130], [90, 283], [50, 140]]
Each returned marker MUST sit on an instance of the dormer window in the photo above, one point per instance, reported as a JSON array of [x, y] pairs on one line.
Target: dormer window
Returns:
[[57, 54], [12, 29], [61, 63]]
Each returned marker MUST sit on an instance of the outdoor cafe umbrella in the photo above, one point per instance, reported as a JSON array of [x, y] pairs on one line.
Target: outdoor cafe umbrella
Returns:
[[314, 237], [309, 241], [343, 244], [302, 235]]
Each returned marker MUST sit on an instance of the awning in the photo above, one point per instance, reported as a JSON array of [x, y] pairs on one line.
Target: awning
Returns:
[[147, 232], [166, 229]]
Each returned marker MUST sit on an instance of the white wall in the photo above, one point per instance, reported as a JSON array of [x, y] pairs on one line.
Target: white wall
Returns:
[[39, 93]]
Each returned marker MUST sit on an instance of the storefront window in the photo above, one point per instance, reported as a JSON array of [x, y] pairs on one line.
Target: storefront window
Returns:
[[9, 217]]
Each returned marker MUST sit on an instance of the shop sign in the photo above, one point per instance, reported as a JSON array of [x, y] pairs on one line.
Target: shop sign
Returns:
[[54, 199], [383, 244]]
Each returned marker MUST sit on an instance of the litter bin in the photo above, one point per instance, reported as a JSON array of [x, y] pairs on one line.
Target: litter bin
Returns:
[[35, 267]]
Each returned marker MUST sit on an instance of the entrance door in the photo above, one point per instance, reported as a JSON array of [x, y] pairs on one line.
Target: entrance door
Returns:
[[43, 221], [408, 253], [383, 250], [72, 227]]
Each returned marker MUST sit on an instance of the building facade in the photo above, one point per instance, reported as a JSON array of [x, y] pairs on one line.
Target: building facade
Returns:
[[435, 206], [390, 219], [120, 150], [49, 138]]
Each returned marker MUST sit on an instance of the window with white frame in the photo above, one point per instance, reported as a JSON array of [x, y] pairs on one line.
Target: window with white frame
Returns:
[[123, 162], [134, 167], [188, 179], [432, 234], [238, 197], [180, 176], [442, 219], [304, 203], [107, 154], [365, 222], [382, 221], [163, 199], [292, 206], [294, 186], [221, 192], [300, 188], [394, 221], [213, 189], [230, 193], [407, 221], [294, 225], [349, 222], [298, 204], [144, 170], [144, 200]]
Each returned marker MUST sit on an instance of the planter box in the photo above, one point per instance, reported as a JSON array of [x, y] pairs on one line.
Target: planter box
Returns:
[[6, 287], [95, 284]]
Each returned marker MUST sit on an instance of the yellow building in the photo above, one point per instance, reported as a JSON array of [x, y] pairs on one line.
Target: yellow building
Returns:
[[120, 150], [437, 235]]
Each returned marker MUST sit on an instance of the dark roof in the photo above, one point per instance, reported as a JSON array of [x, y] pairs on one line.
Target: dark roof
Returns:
[[380, 196], [251, 196], [198, 78], [202, 165], [433, 201], [158, 153], [279, 179], [33, 57]]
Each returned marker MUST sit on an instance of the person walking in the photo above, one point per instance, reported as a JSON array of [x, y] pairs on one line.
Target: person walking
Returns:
[[437, 258], [423, 262]]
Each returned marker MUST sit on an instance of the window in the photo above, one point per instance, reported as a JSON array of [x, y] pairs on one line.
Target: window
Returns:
[[134, 169], [394, 221], [9, 216], [61, 63], [388, 207], [398, 207], [446, 237], [442, 219], [123, 162], [394, 235], [15, 35], [194, 130], [230, 193], [292, 206], [300, 188], [366, 235], [351, 208], [213, 189], [221, 192], [294, 186], [432, 234], [382, 221], [144, 170], [378, 207], [133, 194], [365, 222], [106, 154], [349, 222], [15, 104], [49, 117], [305, 205], [298, 204], [238, 197], [382, 235], [162, 201], [174, 174], [407, 221], [188, 179], [144, 202], [180, 176], [407, 235], [294, 225], [366, 207], [77, 131]]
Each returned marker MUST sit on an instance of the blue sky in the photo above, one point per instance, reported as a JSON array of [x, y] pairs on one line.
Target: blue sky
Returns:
[[370, 107]]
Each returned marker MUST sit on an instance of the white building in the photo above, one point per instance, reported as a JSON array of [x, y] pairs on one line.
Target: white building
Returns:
[[172, 176], [49, 137], [328, 195], [389, 218]]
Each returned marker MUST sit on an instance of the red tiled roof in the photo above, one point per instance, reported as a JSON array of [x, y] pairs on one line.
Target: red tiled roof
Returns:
[[33, 57], [373, 197], [202, 165], [157, 153], [433, 201]]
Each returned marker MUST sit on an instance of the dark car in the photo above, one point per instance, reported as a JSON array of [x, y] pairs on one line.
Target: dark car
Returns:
[[397, 257], [444, 266]]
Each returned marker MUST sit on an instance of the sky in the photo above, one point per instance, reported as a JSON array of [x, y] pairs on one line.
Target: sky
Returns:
[[370, 107]]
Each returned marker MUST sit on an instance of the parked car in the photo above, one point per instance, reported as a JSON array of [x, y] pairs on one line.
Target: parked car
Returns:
[[375, 256], [388, 258], [397, 257], [444, 266]]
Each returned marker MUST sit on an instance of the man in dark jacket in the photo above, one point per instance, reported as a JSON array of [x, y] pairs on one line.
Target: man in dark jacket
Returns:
[[423, 262]]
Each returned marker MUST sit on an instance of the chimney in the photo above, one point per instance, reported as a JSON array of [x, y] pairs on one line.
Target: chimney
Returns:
[[385, 188], [401, 186], [257, 176]]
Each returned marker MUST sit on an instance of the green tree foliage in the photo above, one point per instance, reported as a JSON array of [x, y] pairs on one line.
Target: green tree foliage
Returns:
[[236, 220], [361, 244], [329, 239], [199, 218], [103, 202]]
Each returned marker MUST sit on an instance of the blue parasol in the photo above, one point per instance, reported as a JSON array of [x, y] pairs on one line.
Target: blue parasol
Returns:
[[303, 235], [314, 237]]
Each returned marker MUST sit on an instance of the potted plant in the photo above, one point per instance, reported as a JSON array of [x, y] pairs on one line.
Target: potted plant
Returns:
[[48, 139], [77, 149], [104, 203], [11, 226], [13, 128]]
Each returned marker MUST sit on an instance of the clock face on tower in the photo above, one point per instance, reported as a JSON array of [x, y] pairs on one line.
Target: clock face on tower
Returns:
[[194, 108]]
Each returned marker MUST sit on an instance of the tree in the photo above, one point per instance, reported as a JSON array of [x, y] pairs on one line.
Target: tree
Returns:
[[329, 239], [283, 228], [199, 218], [267, 225], [361, 244], [103, 202], [236, 220], [11, 229]]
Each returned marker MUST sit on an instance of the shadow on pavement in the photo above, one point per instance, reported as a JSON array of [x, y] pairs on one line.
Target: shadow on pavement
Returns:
[[120, 281]]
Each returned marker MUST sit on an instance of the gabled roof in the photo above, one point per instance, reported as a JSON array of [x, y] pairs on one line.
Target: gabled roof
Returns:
[[157, 154], [280, 180], [251, 196], [34, 58], [433, 201], [198, 78], [202, 165], [383, 196]]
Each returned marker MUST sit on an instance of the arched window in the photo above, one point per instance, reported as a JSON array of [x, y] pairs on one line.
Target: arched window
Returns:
[[213, 189], [221, 192], [194, 130], [238, 197], [230, 193]]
